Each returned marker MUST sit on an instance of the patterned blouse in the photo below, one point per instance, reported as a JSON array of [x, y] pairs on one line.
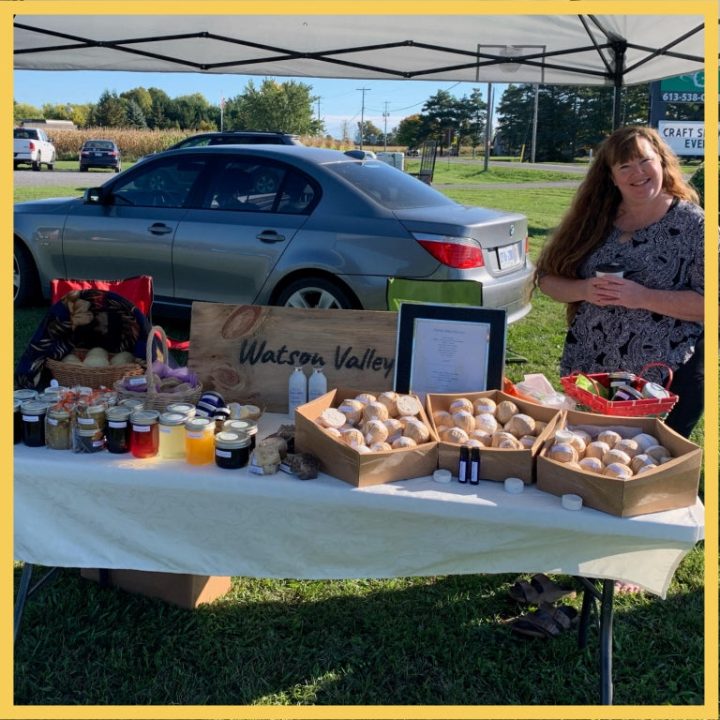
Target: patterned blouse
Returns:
[[667, 255]]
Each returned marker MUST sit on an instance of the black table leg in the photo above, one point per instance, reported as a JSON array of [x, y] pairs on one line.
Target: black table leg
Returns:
[[606, 638]]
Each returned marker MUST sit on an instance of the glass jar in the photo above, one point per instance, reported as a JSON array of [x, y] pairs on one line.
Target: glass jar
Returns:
[[117, 429], [58, 429], [91, 417], [144, 433], [247, 427], [17, 421], [232, 450], [87, 441], [172, 435], [33, 422], [199, 440]]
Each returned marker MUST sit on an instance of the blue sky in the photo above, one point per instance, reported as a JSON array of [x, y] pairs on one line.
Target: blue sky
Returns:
[[339, 99]]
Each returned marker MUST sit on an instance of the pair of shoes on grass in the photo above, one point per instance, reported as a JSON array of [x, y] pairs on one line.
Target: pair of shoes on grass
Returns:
[[549, 620]]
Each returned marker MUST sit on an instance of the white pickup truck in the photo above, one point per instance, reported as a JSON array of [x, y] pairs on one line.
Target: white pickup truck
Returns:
[[31, 146]]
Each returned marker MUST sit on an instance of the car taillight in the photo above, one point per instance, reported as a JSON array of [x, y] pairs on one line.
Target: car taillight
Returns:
[[455, 252], [527, 244], [31, 145]]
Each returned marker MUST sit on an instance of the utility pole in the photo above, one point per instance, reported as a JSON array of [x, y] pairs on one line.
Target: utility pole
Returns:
[[385, 115], [488, 127], [362, 115]]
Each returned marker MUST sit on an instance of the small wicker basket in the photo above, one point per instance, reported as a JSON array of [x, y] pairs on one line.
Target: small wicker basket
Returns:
[[152, 398], [71, 374]]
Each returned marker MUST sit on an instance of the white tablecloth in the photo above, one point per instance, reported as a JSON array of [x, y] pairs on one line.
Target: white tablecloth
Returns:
[[114, 511]]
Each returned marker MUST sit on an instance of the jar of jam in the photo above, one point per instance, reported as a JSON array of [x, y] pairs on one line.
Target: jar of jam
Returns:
[[172, 435], [247, 427], [117, 429], [144, 433], [17, 421], [199, 440], [33, 422], [232, 450], [58, 429]]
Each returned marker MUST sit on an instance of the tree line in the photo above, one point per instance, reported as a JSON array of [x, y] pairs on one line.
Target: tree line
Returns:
[[569, 120]]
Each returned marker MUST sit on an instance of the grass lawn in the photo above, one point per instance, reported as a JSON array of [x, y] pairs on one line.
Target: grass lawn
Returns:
[[408, 641]]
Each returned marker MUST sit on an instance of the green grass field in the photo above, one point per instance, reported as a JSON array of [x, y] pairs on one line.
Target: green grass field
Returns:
[[409, 641]]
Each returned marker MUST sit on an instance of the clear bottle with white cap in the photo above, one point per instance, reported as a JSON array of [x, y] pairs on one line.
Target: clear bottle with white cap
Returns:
[[297, 390], [317, 384]]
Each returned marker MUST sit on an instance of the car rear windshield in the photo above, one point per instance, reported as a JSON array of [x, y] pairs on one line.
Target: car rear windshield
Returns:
[[388, 186], [98, 145]]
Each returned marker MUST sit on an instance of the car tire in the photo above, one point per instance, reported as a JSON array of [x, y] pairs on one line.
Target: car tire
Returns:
[[117, 168], [83, 168], [36, 165], [315, 292], [25, 278]]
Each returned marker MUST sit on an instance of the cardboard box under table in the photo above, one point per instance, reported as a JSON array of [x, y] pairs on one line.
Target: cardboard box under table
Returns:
[[346, 463], [672, 485], [182, 589], [495, 463]]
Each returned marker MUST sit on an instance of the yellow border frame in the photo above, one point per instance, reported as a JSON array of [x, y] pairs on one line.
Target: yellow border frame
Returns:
[[706, 8]]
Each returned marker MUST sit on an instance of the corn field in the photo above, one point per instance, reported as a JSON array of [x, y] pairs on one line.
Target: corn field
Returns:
[[135, 143]]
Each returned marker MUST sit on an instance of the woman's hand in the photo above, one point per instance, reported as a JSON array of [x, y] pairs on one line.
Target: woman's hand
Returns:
[[610, 290]]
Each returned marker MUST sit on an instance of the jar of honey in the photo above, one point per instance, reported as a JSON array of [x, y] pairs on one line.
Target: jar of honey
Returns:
[[172, 435], [199, 440], [144, 433]]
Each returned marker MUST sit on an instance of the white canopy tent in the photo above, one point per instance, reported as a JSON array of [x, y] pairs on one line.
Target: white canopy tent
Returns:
[[611, 50]]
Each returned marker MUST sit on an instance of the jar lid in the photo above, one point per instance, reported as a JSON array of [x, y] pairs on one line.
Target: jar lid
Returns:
[[16, 404], [59, 413], [655, 391], [119, 412], [231, 440], [246, 426], [172, 418], [144, 417], [132, 403], [25, 394], [182, 408], [199, 424], [34, 407]]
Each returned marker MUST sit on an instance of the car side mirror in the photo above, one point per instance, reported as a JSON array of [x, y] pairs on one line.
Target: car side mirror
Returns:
[[95, 196]]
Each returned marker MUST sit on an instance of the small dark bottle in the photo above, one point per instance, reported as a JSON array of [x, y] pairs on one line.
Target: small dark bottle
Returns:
[[474, 466], [463, 464]]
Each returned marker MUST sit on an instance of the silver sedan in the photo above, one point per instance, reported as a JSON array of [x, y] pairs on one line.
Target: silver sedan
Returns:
[[270, 225]]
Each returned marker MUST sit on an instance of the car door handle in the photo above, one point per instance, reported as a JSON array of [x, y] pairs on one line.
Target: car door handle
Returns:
[[270, 236], [160, 229]]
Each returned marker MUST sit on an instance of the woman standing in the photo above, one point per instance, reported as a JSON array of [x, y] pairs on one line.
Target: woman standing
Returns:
[[635, 212]]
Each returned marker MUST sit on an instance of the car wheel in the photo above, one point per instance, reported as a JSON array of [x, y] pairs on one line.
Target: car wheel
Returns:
[[36, 165], [83, 168], [315, 292], [25, 280], [117, 168]]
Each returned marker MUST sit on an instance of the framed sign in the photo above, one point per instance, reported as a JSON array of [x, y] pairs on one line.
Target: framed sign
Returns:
[[449, 348]]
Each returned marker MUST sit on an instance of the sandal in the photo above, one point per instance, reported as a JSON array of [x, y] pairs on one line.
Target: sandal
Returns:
[[540, 589], [545, 622]]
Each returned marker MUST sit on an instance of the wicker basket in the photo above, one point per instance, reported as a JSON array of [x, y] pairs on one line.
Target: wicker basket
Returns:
[[71, 374], [152, 398]]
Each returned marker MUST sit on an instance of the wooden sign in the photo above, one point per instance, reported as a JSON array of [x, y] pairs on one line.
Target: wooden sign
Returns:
[[247, 352]]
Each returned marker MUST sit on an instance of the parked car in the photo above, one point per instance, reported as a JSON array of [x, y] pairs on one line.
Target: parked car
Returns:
[[234, 137], [100, 154], [284, 225], [31, 146]]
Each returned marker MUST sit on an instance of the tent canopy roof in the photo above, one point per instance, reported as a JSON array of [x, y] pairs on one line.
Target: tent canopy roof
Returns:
[[550, 49]]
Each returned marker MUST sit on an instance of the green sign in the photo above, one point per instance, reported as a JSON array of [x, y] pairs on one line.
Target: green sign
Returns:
[[692, 83]]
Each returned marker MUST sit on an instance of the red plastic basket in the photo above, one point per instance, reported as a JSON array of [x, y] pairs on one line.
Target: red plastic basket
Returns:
[[626, 408]]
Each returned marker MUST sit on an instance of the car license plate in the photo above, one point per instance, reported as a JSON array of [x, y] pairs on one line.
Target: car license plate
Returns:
[[508, 256]]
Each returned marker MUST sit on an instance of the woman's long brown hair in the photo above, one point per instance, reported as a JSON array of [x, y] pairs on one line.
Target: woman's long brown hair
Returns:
[[594, 208]]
